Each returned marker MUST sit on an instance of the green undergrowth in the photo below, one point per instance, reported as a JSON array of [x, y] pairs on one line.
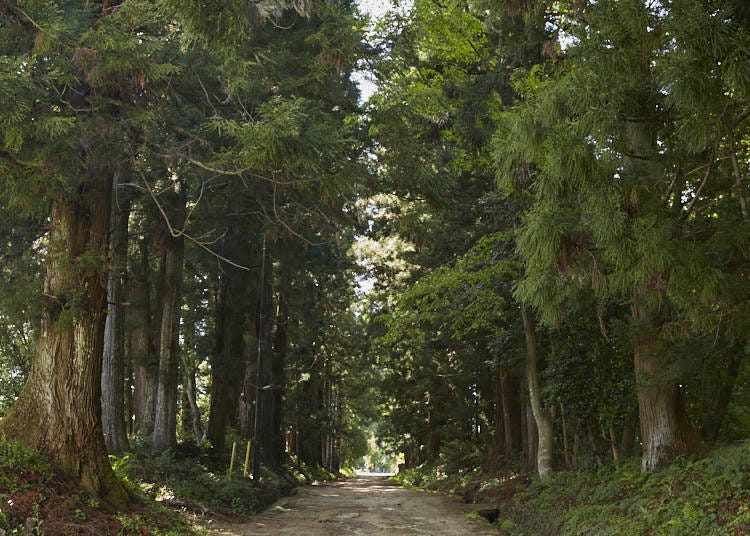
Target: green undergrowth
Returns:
[[34, 500], [173, 492], [708, 496], [205, 488]]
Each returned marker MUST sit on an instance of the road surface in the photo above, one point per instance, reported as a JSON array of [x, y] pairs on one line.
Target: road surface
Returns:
[[358, 506]]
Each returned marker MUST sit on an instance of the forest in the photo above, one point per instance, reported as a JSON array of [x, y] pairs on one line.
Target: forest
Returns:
[[502, 245]]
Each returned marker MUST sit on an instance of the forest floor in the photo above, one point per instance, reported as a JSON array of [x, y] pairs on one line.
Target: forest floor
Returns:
[[358, 506]]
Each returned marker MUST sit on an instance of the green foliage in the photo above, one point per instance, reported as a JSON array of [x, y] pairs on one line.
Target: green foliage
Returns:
[[30, 490], [20, 303], [136, 524], [688, 497], [423, 476], [168, 478], [15, 459]]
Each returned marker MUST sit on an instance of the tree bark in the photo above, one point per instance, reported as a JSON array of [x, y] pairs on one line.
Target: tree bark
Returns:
[[530, 438], [59, 410], [142, 352], [191, 417], [278, 379], [226, 359], [541, 416], [507, 412], [165, 422], [310, 397], [664, 429], [113, 363], [501, 428], [264, 440], [246, 401]]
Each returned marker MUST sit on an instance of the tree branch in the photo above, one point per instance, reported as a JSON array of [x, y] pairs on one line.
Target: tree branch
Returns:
[[700, 189], [177, 233]]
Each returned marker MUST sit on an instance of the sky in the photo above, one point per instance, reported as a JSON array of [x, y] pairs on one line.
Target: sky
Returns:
[[376, 9]]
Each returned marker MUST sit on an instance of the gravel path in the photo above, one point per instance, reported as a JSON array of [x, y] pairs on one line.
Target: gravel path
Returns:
[[359, 506]]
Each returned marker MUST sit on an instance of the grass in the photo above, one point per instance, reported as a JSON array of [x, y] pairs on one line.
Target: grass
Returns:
[[708, 496]]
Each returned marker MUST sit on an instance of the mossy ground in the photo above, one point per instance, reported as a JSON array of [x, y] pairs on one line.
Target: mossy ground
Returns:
[[708, 496], [174, 491]]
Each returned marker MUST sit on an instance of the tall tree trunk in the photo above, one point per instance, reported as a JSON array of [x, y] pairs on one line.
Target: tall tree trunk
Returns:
[[142, 353], [278, 378], [129, 405], [614, 444], [530, 438], [332, 443], [310, 404], [264, 440], [541, 416], [218, 410], [501, 426], [246, 402], [226, 359], [507, 412], [511, 386], [113, 366], [191, 418], [165, 422], [59, 410], [664, 431]]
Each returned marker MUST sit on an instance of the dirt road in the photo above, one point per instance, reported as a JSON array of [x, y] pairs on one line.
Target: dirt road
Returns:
[[359, 506]]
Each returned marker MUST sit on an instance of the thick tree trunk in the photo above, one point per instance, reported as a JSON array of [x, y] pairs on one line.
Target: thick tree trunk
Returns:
[[143, 355], [541, 416], [664, 429], [59, 410], [226, 360], [218, 410], [246, 401], [665, 433], [113, 365], [165, 422]]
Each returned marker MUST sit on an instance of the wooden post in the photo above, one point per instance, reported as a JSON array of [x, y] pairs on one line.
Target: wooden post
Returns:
[[247, 459], [231, 461]]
